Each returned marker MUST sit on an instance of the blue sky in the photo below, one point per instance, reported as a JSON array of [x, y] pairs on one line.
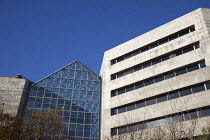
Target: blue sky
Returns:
[[38, 37]]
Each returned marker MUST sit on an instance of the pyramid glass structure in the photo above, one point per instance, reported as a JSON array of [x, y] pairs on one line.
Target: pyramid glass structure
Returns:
[[76, 90]]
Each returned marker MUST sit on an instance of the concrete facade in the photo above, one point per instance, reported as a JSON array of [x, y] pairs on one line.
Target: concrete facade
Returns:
[[200, 20], [13, 93]]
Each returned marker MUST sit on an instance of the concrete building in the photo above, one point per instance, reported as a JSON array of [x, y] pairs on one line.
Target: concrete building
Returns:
[[158, 75], [13, 93]]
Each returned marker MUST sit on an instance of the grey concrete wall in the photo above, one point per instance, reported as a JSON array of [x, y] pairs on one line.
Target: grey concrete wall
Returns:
[[200, 18], [13, 92]]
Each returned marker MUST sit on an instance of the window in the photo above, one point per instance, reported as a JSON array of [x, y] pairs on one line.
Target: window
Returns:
[[192, 68], [113, 132], [121, 91], [180, 72], [173, 95], [173, 37], [208, 85], [158, 79], [131, 107], [164, 58], [142, 126], [128, 72], [151, 101], [120, 75], [198, 88], [148, 82], [138, 68], [129, 88], [122, 109], [188, 49], [185, 92], [132, 128], [205, 112], [146, 64], [139, 85], [113, 111], [162, 98], [113, 93], [191, 115], [169, 75], [122, 130], [158, 60], [202, 65], [140, 104]]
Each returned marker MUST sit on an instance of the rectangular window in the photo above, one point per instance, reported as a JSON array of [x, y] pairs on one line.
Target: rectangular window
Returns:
[[178, 52], [191, 115], [131, 107], [145, 49], [198, 88], [121, 109], [173, 95], [169, 75], [121, 91], [132, 128], [129, 88], [205, 112], [120, 59], [138, 68], [122, 130], [113, 93], [128, 71], [120, 75], [161, 98], [181, 71], [202, 65], [185, 92], [113, 111], [140, 104], [142, 126], [146, 65], [164, 58], [113, 77], [139, 85], [192, 68], [136, 52], [148, 82], [128, 56], [208, 85], [163, 41], [183, 33], [113, 132], [188, 49], [158, 79], [153, 45], [156, 61], [173, 37], [113, 62], [151, 102]]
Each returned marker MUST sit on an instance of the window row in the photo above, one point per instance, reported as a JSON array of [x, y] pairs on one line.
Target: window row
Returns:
[[182, 116], [164, 97], [154, 44], [156, 60], [159, 78]]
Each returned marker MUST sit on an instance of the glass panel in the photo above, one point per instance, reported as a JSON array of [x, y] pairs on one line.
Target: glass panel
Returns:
[[185, 92], [140, 104], [169, 75], [148, 82], [198, 88], [178, 52], [120, 59], [146, 65], [136, 53], [196, 46], [173, 95], [113, 93], [128, 56], [153, 45], [142, 126], [129, 88], [158, 79], [151, 101], [173, 37], [188, 49], [144, 49], [122, 109], [205, 112], [208, 85], [131, 107], [120, 75], [113, 77], [139, 85], [138, 68], [189, 116], [113, 62], [113, 111], [162, 99], [180, 72], [163, 41], [164, 58], [156, 61], [114, 132], [202, 65], [121, 91], [192, 68], [132, 128], [128, 72], [153, 124], [183, 33], [122, 130]]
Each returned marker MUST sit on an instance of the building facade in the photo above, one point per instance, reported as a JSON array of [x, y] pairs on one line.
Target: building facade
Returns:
[[158, 75], [13, 94]]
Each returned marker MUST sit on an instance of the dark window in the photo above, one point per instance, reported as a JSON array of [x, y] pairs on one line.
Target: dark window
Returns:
[[131, 107], [196, 46], [121, 109], [202, 65], [140, 104], [145, 49], [146, 64], [148, 82], [113, 93], [113, 62], [188, 49], [156, 61], [163, 41], [132, 128], [208, 85], [128, 71], [113, 77], [189, 116], [177, 118], [180, 72], [142, 126], [192, 68], [136, 52], [153, 45], [151, 102], [178, 52], [173, 37], [198, 88], [172, 55], [122, 130], [164, 58], [129, 88], [128, 56], [185, 92], [120, 59], [138, 68], [158, 79], [192, 29], [184, 32], [205, 112], [114, 132], [139, 85], [173, 95], [121, 91], [169, 75], [113, 111], [120, 75], [161, 98]]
